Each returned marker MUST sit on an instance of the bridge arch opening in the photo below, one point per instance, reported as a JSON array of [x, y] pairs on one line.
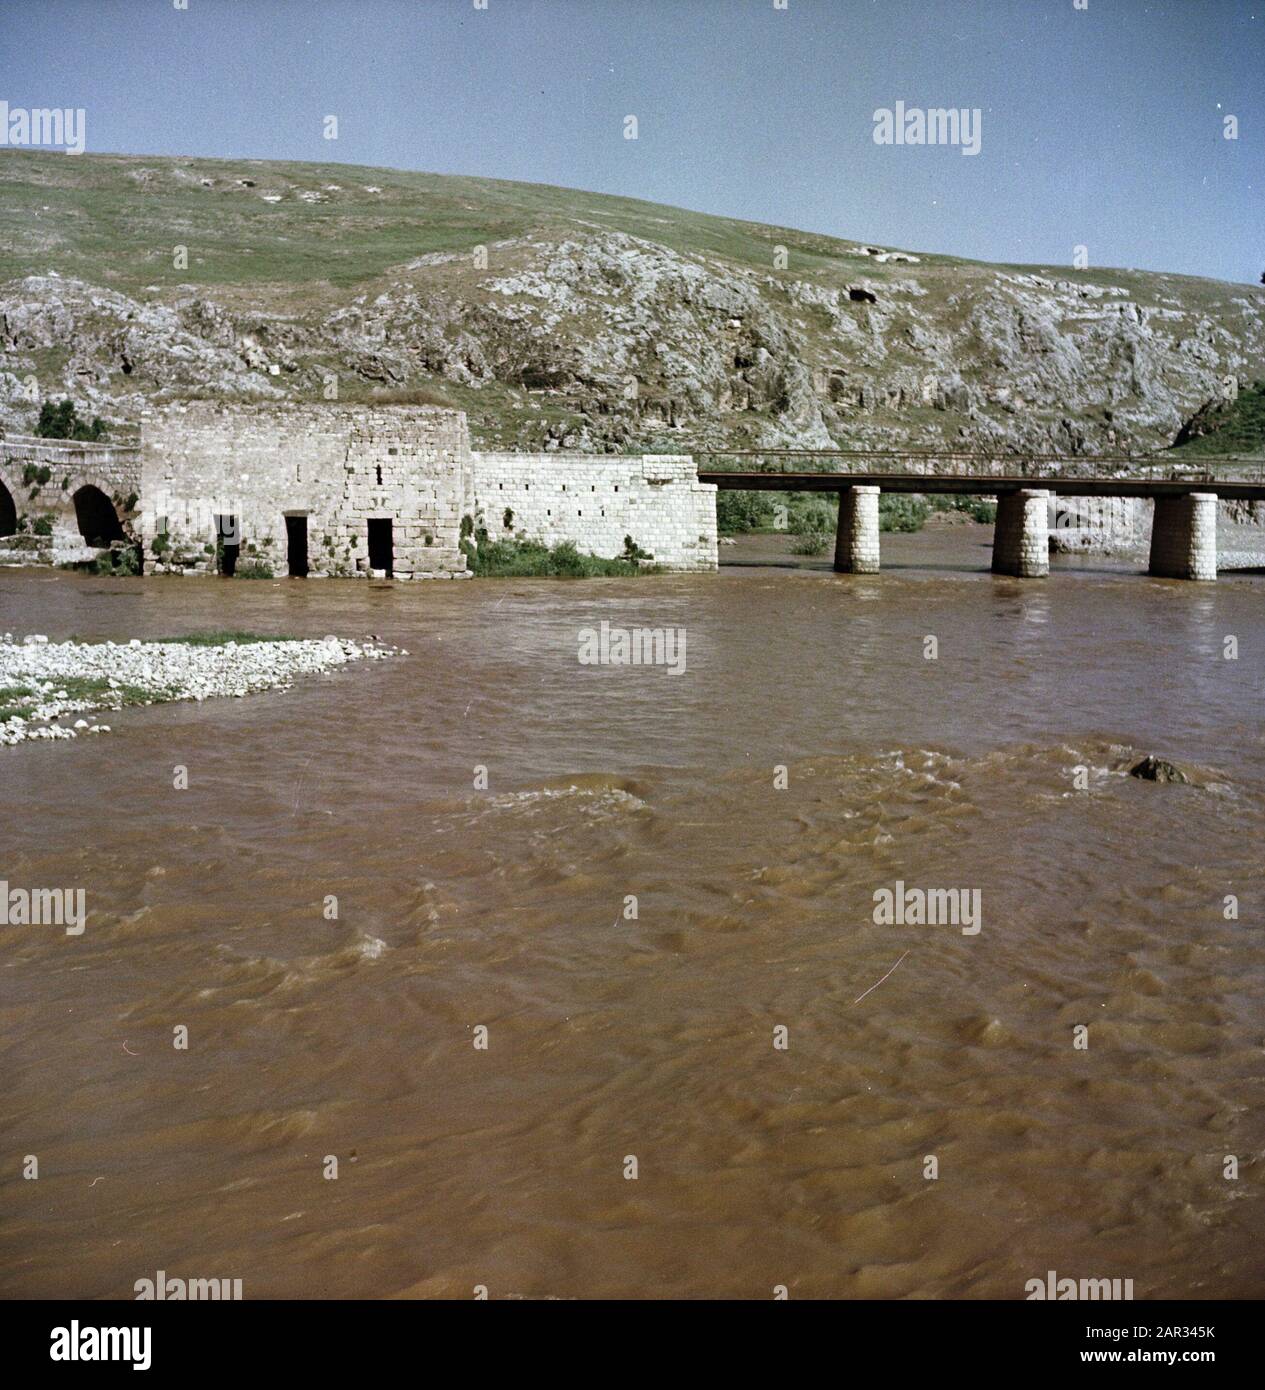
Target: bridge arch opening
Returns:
[[98, 522], [8, 512]]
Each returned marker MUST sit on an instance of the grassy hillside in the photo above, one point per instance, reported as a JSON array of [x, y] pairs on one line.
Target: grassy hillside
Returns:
[[596, 322], [111, 219], [1230, 427]]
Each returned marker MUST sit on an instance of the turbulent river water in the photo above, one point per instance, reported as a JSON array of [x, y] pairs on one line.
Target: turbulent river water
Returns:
[[652, 1037]]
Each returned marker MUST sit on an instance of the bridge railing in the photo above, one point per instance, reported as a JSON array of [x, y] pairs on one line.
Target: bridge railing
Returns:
[[32, 446], [974, 464]]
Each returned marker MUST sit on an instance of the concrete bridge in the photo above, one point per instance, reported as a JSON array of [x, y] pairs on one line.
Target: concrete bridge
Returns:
[[1183, 534]]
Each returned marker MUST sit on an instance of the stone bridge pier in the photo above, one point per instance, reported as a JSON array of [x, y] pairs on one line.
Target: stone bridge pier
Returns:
[[1184, 536], [1021, 534], [856, 537]]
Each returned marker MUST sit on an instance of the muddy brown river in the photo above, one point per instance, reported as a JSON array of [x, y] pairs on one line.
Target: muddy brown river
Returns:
[[780, 1066]]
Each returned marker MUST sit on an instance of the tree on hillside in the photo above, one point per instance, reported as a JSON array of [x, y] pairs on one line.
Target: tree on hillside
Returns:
[[61, 421]]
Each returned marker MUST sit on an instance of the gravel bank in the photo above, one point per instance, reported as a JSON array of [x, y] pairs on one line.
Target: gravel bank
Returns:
[[47, 687]]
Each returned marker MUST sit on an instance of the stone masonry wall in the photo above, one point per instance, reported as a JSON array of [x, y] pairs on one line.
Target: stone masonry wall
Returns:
[[1184, 537], [338, 466], [596, 500], [48, 528], [1021, 544], [341, 467]]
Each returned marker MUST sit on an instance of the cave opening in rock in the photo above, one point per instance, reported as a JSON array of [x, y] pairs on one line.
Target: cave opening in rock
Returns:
[[381, 545], [296, 545], [98, 522], [8, 512]]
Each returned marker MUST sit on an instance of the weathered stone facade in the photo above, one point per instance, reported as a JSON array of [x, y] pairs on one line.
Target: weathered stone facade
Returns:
[[598, 501], [331, 470], [358, 490]]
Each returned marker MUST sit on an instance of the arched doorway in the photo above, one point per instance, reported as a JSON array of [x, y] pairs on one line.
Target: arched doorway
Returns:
[[99, 523], [8, 512]]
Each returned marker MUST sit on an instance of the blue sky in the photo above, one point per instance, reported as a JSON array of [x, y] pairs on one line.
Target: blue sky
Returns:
[[1101, 127]]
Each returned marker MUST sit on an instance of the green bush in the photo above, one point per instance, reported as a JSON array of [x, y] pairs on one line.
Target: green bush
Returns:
[[118, 561], [61, 421], [810, 519], [741, 511], [127, 560], [810, 542], [521, 558], [977, 508], [897, 511]]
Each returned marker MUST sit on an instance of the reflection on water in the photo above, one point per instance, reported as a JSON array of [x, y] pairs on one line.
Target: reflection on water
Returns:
[[649, 1030]]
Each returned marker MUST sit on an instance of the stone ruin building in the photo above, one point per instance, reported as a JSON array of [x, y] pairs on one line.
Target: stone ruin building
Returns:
[[333, 490]]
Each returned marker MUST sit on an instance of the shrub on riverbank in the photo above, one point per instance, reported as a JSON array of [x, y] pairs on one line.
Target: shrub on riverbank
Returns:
[[740, 511], [807, 514], [520, 558], [524, 559], [810, 543], [899, 511], [979, 509]]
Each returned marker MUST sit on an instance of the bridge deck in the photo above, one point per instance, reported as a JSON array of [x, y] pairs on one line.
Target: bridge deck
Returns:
[[985, 484]]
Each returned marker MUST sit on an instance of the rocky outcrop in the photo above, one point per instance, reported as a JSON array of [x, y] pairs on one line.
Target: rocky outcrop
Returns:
[[594, 339], [1153, 769]]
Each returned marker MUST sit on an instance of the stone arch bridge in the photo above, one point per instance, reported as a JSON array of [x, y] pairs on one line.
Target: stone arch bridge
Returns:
[[62, 501]]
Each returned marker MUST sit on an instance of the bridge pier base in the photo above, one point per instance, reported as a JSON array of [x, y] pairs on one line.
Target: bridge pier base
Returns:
[[1184, 537], [1021, 534], [856, 539]]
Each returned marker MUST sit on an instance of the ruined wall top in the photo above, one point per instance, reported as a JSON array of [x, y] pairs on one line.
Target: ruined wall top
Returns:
[[265, 417]]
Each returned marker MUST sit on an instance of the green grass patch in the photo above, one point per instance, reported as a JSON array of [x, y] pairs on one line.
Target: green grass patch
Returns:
[[90, 688], [15, 700], [1229, 427]]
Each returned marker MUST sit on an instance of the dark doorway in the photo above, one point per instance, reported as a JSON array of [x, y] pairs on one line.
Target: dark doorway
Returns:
[[99, 523], [228, 542], [381, 546], [8, 512], [296, 545]]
